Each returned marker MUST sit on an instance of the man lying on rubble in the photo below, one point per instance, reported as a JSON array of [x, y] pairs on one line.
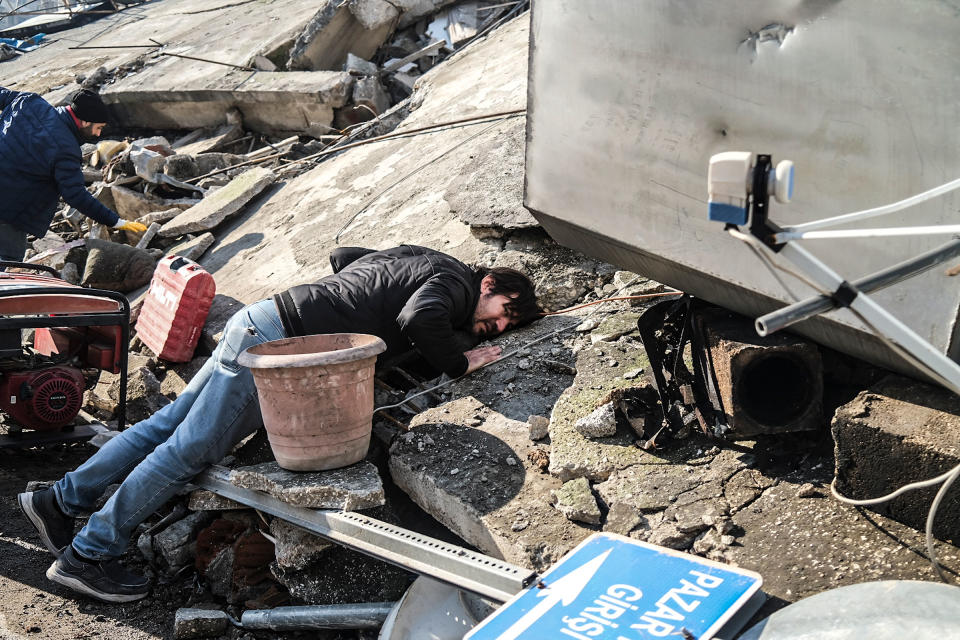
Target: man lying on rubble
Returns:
[[411, 297], [40, 161]]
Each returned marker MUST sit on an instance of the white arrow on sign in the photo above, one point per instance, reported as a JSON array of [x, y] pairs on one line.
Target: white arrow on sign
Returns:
[[565, 590]]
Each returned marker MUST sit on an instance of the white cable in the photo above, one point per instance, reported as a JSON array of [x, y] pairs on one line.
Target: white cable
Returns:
[[921, 484], [930, 517], [878, 211], [884, 232]]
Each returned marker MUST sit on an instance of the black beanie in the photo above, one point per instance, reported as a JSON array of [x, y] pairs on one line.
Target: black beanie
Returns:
[[88, 106]]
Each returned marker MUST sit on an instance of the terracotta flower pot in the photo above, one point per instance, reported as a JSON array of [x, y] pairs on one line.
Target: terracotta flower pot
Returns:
[[316, 397]]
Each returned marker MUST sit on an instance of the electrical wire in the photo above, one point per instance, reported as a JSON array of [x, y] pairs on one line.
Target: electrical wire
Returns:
[[371, 201], [947, 479]]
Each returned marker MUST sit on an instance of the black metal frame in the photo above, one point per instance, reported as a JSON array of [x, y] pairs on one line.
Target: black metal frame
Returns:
[[96, 319]]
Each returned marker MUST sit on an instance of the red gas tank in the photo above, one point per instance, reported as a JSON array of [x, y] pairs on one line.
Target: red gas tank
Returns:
[[175, 308]]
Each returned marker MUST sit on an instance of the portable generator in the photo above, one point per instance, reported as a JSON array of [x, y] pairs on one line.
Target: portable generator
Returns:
[[76, 330]]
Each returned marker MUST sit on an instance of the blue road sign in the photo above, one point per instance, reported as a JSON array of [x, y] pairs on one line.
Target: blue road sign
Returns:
[[615, 588]]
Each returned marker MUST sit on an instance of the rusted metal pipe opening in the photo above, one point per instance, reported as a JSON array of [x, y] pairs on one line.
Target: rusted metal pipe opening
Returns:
[[775, 390]]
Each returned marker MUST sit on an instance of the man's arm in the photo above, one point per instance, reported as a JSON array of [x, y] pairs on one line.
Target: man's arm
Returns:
[[69, 177], [342, 256], [426, 322]]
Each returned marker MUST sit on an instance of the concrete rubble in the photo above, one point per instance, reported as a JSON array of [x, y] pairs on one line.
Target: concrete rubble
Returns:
[[355, 487], [524, 459]]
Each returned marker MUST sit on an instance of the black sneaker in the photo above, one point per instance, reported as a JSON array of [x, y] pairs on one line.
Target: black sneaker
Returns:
[[41, 509], [103, 579]]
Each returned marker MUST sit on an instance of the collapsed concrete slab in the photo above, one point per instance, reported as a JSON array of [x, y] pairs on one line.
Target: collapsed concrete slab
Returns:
[[478, 483], [271, 103], [339, 28], [355, 487], [221, 204], [573, 454], [897, 432], [132, 205], [500, 191], [192, 248]]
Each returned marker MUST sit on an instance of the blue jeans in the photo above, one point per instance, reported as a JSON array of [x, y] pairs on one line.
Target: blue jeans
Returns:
[[158, 456]]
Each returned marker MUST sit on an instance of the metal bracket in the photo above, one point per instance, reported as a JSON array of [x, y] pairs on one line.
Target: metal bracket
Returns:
[[459, 567]]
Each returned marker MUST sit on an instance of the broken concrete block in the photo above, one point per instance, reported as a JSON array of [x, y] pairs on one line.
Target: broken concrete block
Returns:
[[176, 543], [350, 488], [131, 205], [181, 166], [143, 395], [295, 547], [413, 10], [263, 63], [575, 501], [207, 162], [192, 248], [147, 163], [340, 575], [370, 93], [357, 66], [374, 14], [622, 518], [203, 500], [896, 432], [333, 32], [70, 273], [771, 384], [601, 423], [221, 204], [117, 267], [199, 623], [210, 140], [539, 427], [481, 502], [179, 375], [160, 216]]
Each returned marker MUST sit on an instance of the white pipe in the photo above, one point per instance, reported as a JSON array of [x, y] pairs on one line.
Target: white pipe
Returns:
[[878, 211], [784, 236]]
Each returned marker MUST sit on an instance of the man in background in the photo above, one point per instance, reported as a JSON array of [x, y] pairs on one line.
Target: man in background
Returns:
[[40, 161]]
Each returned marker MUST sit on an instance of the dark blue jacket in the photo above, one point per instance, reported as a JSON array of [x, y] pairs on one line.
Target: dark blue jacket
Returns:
[[40, 161]]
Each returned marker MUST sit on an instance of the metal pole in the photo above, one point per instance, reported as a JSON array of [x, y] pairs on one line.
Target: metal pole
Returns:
[[937, 365], [783, 318], [334, 616]]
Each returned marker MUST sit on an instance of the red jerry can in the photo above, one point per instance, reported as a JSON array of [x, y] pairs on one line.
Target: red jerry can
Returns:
[[175, 308]]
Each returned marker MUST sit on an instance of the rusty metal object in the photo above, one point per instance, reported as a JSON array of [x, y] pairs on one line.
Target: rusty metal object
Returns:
[[316, 397], [765, 385]]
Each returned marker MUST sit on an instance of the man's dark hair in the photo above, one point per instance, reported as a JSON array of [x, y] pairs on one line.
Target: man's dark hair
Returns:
[[523, 306]]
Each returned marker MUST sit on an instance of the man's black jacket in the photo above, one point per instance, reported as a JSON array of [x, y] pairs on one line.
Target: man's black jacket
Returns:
[[411, 297]]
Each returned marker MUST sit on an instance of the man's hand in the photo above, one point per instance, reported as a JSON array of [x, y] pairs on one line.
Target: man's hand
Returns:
[[130, 225], [476, 358]]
